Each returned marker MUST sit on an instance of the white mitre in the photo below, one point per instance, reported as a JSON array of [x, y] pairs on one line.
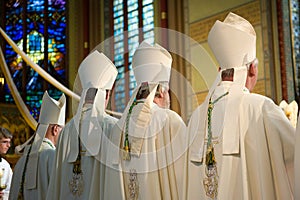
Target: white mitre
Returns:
[[97, 71], [233, 41], [151, 64]]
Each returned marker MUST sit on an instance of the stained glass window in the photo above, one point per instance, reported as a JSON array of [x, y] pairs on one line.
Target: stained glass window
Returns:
[[39, 29], [295, 13], [136, 18]]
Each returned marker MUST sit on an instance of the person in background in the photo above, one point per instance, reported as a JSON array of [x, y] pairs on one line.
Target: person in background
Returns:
[[5, 169], [242, 144], [33, 170]]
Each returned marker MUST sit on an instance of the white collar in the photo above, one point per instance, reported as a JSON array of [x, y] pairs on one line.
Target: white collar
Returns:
[[49, 142], [227, 84]]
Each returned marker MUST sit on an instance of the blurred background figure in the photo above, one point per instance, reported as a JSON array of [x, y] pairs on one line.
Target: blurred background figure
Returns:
[[5, 169]]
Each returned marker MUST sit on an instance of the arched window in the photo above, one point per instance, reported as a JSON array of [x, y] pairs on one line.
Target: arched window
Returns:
[[295, 13], [38, 27], [135, 18]]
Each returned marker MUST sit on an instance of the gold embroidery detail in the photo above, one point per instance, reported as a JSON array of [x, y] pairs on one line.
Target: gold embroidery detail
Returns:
[[133, 186]]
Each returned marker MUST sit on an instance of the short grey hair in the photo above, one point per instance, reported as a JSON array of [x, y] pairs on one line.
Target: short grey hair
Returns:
[[227, 73]]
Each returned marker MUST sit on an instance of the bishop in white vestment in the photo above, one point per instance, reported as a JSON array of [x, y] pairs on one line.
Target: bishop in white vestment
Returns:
[[33, 170], [146, 153], [241, 144], [78, 171]]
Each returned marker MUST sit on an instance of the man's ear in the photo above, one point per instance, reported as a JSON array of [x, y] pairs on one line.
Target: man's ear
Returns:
[[107, 94], [252, 70], [55, 130]]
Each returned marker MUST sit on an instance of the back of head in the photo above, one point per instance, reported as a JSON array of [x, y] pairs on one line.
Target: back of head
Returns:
[[233, 41]]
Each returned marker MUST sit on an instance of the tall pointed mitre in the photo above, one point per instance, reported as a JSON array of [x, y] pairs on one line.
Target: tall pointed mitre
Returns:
[[233, 43], [151, 64], [52, 111], [95, 71]]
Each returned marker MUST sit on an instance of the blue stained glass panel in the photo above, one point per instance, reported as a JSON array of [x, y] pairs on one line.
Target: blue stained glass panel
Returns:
[[145, 2], [14, 29], [120, 94], [132, 6], [132, 14], [133, 26], [295, 9], [149, 35], [132, 2], [132, 83], [121, 70], [147, 10], [118, 22], [57, 43], [148, 21], [133, 32], [117, 2], [118, 13], [119, 37], [35, 47], [148, 27], [120, 75], [133, 40]]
